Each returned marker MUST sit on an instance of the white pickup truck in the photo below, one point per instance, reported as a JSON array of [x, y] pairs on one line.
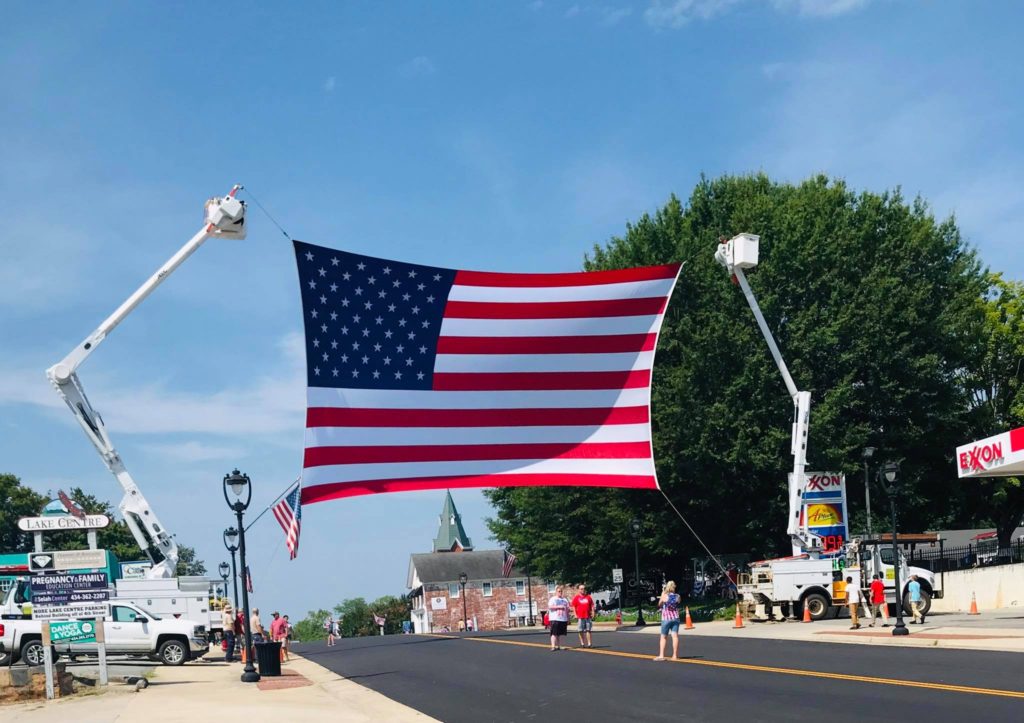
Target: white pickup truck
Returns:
[[128, 630]]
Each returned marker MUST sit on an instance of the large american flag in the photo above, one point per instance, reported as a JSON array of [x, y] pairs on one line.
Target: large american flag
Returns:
[[288, 512], [427, 378]]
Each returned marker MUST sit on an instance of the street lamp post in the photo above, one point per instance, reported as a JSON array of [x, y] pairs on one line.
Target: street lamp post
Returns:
[[239, 485], [634, 528], [224, 569], [231, 543], [890, 473], [868, 453], [463, 579]]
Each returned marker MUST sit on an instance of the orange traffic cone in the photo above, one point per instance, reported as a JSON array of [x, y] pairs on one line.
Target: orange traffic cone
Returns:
[[739, 619], [974, 606], [807, 614], [689, 621]]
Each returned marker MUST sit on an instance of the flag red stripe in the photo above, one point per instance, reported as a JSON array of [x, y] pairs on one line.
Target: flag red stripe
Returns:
[[610, 343], [320, 456], [554, 309], [578, 278], [324, 492], [1017, 439], [543, 417], [539, 381]]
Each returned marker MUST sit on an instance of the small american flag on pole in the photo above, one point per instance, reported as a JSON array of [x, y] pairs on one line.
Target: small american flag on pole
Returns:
[[378, 619], [248, 580], [288, 512], [430, 378], [510, 561]]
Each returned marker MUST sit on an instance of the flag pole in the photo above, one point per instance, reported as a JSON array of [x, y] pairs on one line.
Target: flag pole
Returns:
[[276, 499]]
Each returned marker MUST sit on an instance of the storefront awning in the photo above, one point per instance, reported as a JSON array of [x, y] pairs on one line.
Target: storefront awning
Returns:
[[998, 456]]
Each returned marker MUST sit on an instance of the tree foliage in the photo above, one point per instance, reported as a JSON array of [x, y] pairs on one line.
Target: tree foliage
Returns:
[[875, 307]]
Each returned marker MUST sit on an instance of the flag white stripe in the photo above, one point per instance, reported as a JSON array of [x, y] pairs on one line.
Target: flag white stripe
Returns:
[[596, 292], [427, 399], [610, 362], [586, 326], [398, 470], [383, 436]]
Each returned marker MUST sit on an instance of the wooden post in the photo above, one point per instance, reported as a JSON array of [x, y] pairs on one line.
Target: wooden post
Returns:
[[101, 644], [48, 660]]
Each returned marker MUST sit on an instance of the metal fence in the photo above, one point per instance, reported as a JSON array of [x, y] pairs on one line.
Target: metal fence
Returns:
[[966, 557]]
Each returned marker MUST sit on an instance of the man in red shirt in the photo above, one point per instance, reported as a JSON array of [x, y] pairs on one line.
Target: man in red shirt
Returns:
[[583, 607], [878, 601]]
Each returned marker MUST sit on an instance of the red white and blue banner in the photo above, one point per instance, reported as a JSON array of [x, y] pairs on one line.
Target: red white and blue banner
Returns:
[[825, 510], [428, 378]]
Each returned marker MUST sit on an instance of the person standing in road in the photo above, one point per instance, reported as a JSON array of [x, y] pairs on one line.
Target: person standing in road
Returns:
[[878, 605], [332, 629], [914, 587], [583, 607], [558, 614], [228, 621], [669, 605], [853, 602]]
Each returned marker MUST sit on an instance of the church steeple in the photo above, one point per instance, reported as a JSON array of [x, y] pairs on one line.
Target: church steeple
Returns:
[[451, 536]]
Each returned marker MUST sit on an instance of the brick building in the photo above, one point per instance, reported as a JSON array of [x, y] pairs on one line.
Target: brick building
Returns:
[[492, 601]]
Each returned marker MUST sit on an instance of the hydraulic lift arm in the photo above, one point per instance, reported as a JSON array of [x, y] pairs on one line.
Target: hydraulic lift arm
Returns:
[[737, 254], [224, 217]]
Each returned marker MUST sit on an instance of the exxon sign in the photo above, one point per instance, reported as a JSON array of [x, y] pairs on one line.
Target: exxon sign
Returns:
[[1001, 455]]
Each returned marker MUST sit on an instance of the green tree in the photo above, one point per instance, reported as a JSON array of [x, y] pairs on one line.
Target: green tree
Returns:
[[355, 617], [874, 305], [998, 400], [311, 627], [16, 500], [188, 564], [394, 610]]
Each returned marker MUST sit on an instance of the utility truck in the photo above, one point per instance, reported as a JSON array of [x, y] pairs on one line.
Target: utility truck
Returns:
[[806, 578]]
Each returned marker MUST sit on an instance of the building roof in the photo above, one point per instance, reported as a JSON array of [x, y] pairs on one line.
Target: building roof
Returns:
[[433, 567], [451, 535]]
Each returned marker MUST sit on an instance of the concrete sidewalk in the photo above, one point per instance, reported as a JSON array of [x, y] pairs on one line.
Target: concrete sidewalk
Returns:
[[997, 631], [205, 690]]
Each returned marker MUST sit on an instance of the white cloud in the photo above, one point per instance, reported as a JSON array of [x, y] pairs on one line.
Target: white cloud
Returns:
[[675, 14], [613, 16], [329, 84], [819, 8], [572, 11], [421, 65], [195, 451]]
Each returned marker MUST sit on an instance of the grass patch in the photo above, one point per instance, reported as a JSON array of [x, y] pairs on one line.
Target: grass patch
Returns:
[[701, 611]]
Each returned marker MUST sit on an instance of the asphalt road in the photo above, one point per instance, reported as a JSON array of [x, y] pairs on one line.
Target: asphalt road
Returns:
[[513, 677]]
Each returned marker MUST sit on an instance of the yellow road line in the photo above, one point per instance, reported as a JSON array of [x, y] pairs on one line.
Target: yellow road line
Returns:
[[764, 669]]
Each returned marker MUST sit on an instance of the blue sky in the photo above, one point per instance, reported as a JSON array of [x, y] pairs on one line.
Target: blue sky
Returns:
[[501, 136]]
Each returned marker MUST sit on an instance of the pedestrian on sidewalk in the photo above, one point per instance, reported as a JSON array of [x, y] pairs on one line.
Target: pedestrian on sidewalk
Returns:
[[914, 587], [228, 621], [256, 626], [277, 631], [583, 607], [558, 614], [286, 641], [878, 605], [669, 605], [853, 602]]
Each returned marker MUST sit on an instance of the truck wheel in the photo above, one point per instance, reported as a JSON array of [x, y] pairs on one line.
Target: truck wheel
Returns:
[[817, 604], [173, 652], [32, 653], [5, 659], [926, 603]]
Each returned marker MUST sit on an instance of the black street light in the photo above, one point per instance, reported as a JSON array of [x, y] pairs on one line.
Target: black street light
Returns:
[[224, 569], [889, 473], [231, 543], [868, 453], [463, 579], [239, 485], [634, 528]]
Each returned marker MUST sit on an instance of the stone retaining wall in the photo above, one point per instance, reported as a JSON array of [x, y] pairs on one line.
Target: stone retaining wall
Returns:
[[21, 682], [996, 588]]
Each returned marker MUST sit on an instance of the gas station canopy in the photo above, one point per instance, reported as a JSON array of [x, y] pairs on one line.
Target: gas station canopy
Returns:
[[998, 456]]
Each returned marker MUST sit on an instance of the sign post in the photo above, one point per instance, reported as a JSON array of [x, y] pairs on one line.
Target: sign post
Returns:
[[47, 660], [617, 580]]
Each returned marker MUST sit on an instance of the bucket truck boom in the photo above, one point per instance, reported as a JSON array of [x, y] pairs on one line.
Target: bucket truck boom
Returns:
[[737, 254], [224, 217]]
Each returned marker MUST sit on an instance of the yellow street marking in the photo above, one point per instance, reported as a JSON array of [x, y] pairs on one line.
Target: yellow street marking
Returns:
[[763, 668]]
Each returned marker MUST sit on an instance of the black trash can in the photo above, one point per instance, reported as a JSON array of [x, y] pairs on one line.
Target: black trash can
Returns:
[[268, 657]]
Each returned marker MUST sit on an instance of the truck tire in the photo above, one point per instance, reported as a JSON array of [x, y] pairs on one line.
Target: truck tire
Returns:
[[926, 602], [5, 659], [817, 604], [32, 653], [173, 652]]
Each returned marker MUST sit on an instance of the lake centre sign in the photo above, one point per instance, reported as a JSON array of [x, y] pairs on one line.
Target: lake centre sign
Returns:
[[57, 523]]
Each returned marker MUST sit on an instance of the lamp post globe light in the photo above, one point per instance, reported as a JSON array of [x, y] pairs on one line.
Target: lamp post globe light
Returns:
[[237, 484], [868, 453], [231, 543], [463, 579], [890, 473], [635, 527]]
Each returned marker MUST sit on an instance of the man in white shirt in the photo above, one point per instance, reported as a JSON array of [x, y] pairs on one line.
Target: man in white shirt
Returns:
[[853, 598]]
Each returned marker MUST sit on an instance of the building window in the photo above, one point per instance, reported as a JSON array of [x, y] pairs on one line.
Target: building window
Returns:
[[520, 587], [551, 588], [487, 589], [453, 589]]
